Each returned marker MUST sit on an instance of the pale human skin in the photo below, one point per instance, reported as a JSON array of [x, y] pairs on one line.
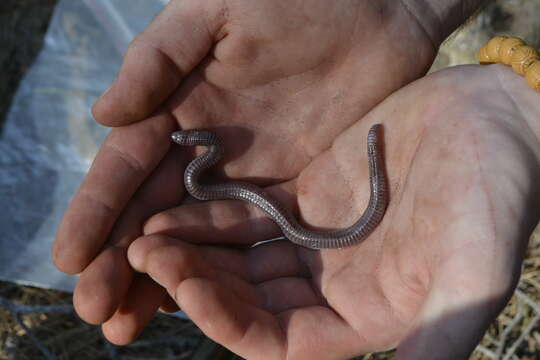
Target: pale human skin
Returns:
[[273, 86], [462, 157]]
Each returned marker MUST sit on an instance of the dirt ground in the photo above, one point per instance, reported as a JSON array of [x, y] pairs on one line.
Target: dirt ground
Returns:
[[41, 324]]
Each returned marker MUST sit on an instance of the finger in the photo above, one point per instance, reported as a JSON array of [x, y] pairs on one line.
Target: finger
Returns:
[[306, 333], [166, 260], [233, 315], [170, 261], [137, 309], [123, 162], [108, 277], [156, 61], [309, 332], [222, 221], [256, 265], [143, 251], [168, 305], [221, 315], [94, 299]]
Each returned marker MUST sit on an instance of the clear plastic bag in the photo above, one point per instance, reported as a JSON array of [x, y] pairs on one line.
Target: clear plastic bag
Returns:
[[49, 138]]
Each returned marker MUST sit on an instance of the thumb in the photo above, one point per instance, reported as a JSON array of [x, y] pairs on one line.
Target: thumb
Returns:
[[157, 60]]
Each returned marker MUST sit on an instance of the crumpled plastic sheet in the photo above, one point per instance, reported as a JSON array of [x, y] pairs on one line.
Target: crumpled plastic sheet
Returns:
[[49, 138]]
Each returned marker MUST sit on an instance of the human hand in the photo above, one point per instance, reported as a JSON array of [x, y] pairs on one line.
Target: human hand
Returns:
[[462, 157], [282, 78]]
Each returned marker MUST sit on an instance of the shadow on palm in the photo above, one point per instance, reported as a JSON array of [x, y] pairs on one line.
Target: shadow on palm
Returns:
[[460, 154]]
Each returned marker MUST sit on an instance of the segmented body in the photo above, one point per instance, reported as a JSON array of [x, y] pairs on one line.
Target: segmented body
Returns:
[[253, 194]]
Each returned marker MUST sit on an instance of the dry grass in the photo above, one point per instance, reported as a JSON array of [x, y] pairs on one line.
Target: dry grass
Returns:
[[516, 332], [41, 324]]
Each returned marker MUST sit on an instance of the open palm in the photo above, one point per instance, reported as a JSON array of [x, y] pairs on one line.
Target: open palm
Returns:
[[280, 80], [437, 270]]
